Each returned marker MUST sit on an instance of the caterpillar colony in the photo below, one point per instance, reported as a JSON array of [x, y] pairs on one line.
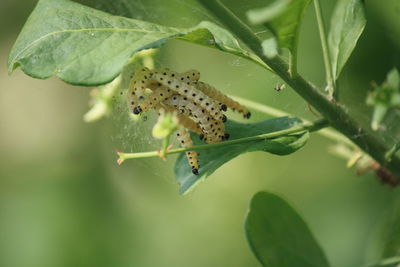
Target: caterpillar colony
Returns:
[[199, 105]]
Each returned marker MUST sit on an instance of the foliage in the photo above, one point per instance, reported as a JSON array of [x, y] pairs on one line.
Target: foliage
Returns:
[[92, 48], [384, 97], [347, 24], [212, 159], [278, 236], [283, 19], [85, 46]]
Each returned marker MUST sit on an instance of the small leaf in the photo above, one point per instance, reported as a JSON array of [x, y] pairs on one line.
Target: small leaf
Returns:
[[347, 24], [283, 18], [377, 116], [278, 236], [166, 124], [393, 79], [101, 100], [384, 97], [212, 159], [85, 46]]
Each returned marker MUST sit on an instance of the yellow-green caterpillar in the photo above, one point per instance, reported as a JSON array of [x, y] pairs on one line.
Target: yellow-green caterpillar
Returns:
[[199, 106]]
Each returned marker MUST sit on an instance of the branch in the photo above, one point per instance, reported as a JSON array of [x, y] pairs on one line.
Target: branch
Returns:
[[311, 127], [337, 116]]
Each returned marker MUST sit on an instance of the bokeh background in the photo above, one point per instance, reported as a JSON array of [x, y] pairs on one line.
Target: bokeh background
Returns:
[[65, 202]]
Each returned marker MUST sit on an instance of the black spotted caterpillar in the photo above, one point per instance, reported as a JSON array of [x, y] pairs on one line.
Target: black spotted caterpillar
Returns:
[[199, 106]]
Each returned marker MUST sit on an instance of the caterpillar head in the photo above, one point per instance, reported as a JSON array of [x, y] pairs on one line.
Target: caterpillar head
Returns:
[[137, 110]]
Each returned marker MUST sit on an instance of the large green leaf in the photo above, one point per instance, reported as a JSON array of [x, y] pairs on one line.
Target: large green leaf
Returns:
[[278, 236], [85, 46], [212, 159], [347, 24], [283, 18]]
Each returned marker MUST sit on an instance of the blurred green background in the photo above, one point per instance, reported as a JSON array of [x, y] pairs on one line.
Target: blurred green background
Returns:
[[65, 202]]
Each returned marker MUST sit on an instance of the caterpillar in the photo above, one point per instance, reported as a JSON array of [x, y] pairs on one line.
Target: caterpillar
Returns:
[[225, 100], [160, 92], [185, 140], [137, 87], [183, 119], [214, 130], [199, 106], [191, 93], [191, 75]]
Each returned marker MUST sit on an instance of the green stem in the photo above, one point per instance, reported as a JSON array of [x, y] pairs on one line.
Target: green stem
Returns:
[[337, 116], [165, 145], [392, 151], [301, 128], [328, 133]]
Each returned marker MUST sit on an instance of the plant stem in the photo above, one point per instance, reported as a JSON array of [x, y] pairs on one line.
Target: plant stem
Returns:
[[331, 110], [297, 129], [330, 80], [328, 133], [165, 144]]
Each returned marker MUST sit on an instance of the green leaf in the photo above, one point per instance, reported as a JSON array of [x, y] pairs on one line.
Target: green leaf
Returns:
[[274, 10], [85, 46], [391, 232], [384, 97], [389, 243], [393, 79], [283, 18], [278, 236], [166, 124], [104, 98], [378, 115], [212, 159], [347, 24]]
